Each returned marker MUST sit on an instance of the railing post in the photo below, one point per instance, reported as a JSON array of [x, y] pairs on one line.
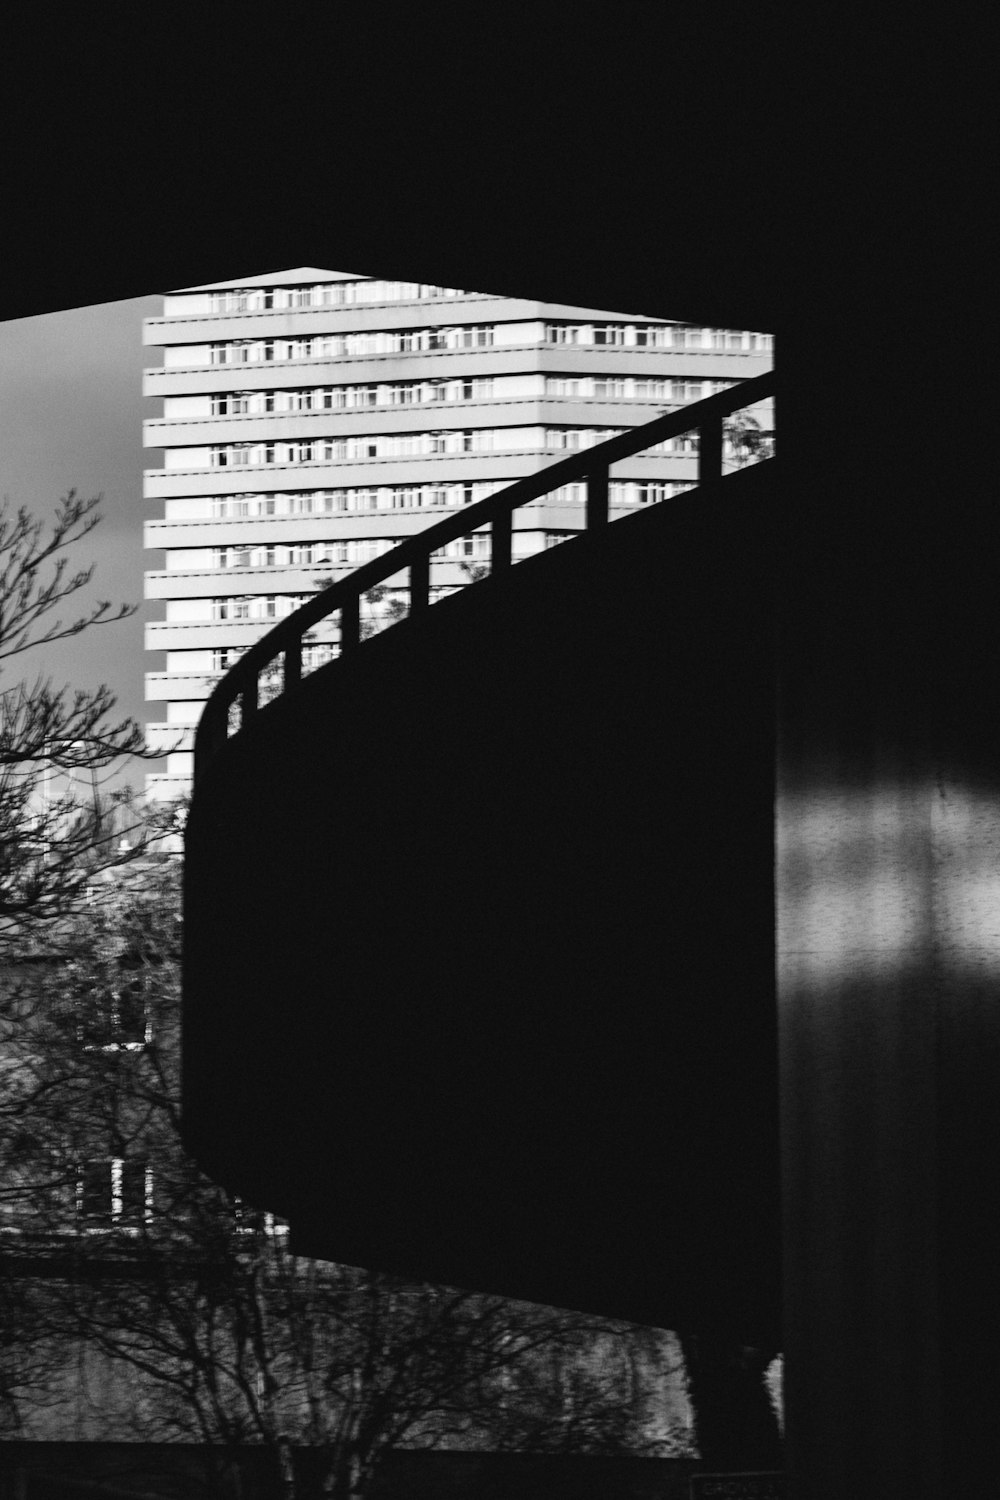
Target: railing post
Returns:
[[710, 450], [350, 623], [293, 663], [211, 737], [249, 699], [500, 543], [420, 583], [597, 498]]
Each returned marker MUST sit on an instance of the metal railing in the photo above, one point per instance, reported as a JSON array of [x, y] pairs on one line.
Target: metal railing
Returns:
[[285, 640]]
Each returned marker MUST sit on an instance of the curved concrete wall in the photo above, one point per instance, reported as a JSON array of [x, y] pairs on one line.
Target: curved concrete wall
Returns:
[[479, 943]]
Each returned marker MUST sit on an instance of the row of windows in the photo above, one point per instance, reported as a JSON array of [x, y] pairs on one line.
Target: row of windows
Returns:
[[395, 445], [301, 554], [352, 345], [627, 387], [423, 444], [354, 554], [417, 392], [483, 336], [313, 655], [358, 501], [420, 444], [325, 294], [319, 450], [656, 336], [578, 437], [620, 492], [348, 397], [277, 606], [385, 497], [258, 606]]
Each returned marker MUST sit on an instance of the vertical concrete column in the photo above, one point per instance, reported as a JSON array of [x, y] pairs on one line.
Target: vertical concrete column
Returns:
[[858, 898], [858, 1001], [888, 913]]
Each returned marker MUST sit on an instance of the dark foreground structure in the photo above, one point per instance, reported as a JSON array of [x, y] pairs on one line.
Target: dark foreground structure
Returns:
[[884, 627], [518, 1047], [70, 1471]]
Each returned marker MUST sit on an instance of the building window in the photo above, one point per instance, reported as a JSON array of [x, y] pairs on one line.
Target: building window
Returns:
[[472, 336], [610, 389], [226, 506], [93, 1193], [610, 334], [577, 437], [234, 455], [651, 494], [651, 389], [654, 338], [236, 608], [564, 333], [113, 1017], [231, 404], [238, 300], [567, 494], [113, 1191]]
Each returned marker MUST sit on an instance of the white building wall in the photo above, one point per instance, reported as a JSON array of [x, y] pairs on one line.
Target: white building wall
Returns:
[[177, 358], [519, 333]]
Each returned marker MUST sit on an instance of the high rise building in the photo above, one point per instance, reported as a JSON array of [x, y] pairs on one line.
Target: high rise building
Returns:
[[313, 419]]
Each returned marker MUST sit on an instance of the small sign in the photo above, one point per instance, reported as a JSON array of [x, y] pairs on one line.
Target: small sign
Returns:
[[738, 1487]]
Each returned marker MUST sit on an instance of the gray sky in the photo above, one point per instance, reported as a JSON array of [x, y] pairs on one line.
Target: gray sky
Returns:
[[71, 413]]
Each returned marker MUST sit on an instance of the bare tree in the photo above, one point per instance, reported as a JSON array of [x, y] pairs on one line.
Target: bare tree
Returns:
[[55, 828], [233, 1342]]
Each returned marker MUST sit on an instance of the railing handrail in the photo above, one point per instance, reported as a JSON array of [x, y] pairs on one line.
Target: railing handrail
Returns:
[[415, 551]]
